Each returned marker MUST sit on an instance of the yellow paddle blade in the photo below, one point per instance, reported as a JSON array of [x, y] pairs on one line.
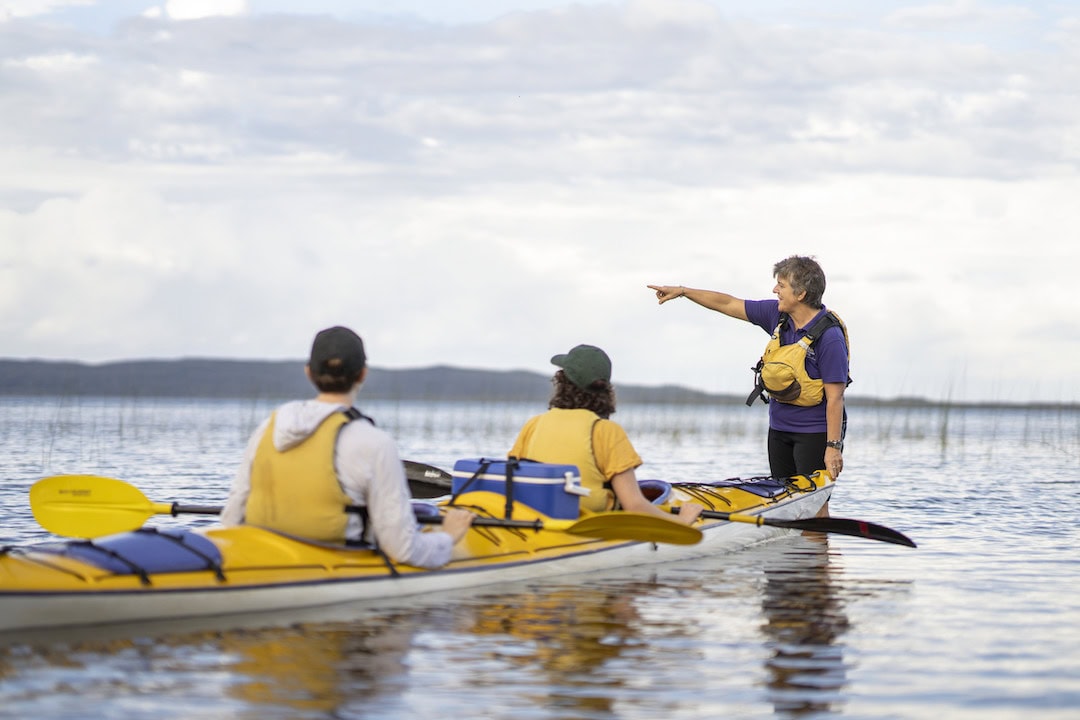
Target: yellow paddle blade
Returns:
[[629, 526], [87, 506]]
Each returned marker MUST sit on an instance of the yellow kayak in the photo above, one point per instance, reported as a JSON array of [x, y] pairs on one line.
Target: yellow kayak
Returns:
[[152, 574]]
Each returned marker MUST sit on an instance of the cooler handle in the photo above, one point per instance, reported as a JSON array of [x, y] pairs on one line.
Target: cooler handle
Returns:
[[573, 485]]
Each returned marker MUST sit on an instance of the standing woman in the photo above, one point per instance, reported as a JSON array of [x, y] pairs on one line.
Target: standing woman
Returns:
[[804, 370]]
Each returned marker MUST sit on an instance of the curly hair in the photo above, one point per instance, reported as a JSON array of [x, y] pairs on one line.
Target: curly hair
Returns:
[[600, 398], [804, 275]]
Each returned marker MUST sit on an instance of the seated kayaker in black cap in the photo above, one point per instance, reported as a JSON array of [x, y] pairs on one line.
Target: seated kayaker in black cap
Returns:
[[576, 430], [311, 458]]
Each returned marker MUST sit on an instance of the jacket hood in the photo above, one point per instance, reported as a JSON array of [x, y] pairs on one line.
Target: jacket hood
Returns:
[[294, 422]]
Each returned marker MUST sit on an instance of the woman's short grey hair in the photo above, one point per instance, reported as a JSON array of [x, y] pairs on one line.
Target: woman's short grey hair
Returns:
[[804, 275]]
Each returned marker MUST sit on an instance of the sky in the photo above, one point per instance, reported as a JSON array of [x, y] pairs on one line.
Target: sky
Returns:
[[485, 184]]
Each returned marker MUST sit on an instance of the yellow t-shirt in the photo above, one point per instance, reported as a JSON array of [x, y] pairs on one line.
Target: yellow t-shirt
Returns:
[[614, 453], [599, 459]]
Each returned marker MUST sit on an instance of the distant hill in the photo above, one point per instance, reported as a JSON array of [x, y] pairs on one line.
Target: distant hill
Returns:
[[285, 379]]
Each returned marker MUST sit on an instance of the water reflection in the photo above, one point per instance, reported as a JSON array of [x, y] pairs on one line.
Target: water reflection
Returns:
[[566, 633], [298, 671], [804, 620], [318, 672]]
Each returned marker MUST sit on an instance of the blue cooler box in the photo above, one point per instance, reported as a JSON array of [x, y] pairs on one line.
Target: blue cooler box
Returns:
[[554, 490]]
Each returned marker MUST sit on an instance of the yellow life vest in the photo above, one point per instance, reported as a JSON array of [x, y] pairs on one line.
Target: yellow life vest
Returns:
[[781, 372], [565, 437], [297, 491]]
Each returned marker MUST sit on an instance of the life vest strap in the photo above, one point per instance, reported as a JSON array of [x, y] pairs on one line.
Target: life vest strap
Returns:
[[759, 386]]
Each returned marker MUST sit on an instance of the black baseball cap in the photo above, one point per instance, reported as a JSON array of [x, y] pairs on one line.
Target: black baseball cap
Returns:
[[337, 351]]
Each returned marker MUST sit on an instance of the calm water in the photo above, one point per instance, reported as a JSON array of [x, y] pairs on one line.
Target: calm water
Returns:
[[981, 621]]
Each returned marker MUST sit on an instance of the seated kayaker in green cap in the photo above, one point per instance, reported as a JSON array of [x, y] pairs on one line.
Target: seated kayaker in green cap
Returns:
[[576, 430], [311, 458]]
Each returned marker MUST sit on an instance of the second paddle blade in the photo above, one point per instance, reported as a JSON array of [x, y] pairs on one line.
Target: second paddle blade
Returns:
[[636, 526]]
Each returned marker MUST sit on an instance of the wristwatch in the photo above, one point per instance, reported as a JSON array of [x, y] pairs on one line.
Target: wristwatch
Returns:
[[838, 444]]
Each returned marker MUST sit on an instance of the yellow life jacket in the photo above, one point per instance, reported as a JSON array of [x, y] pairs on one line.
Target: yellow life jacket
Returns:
[[297, 491], [781, 371], [565, 437]]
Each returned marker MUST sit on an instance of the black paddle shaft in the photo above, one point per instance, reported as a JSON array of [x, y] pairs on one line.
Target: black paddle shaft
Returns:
[[178, 509]]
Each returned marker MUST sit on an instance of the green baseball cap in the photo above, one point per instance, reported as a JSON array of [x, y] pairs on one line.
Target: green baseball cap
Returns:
[[584, 365]]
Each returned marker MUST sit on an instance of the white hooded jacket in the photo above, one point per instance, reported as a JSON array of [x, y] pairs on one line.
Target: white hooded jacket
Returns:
[[371, 474]]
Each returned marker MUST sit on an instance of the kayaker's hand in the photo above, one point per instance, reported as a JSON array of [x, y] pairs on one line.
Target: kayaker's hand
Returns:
[[456, 523], [667, 292], [689, 512], [834, 461]]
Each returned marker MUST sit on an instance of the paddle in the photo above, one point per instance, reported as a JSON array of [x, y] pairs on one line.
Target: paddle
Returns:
[[606, 526], [427, 481], [840, 526], [118, 506], [89, 506]]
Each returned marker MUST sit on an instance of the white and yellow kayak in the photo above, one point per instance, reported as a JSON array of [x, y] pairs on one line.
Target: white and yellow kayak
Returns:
[[149, 574]]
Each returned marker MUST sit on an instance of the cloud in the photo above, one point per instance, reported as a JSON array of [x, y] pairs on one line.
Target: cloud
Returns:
[[11, 9], [604, 92], [198, 9], [959, 13], [487, 193]]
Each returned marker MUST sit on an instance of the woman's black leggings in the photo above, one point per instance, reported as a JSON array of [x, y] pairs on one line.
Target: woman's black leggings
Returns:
[[796, 453]]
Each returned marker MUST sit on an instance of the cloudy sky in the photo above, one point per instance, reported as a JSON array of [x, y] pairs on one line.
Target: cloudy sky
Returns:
[[484, 184]]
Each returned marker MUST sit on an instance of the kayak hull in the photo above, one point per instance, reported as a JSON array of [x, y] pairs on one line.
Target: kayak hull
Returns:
[[264, 572]]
